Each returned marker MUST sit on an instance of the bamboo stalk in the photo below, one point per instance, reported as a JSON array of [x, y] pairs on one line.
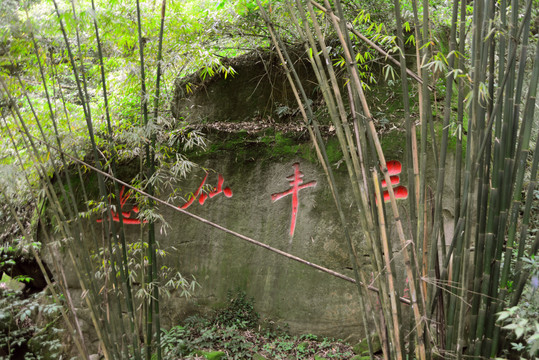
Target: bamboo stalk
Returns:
[[482, 180], [347, 146], [424, 110], [123, 267], [320, 152], [517, 189], [409, 258], [113, 153], [148, 165], [50, 192], [80, 244], [152, 248], [471, 150], [506, 173], [55, 296], [78, 343], [395, 306], [520, 278], [440, 178], [373, 45]]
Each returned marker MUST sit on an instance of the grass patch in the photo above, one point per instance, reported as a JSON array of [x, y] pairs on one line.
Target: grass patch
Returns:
[[234, 332]]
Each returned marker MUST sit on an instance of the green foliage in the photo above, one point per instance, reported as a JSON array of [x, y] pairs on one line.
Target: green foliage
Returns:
[[522, 320], [168, 280], [13, 250], [185, 341], [194, 41], [239, 312], [199, 338], [233, 330], [29, 327]]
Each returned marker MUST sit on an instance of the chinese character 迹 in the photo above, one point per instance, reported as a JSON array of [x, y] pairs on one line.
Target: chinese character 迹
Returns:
[[126, 215]]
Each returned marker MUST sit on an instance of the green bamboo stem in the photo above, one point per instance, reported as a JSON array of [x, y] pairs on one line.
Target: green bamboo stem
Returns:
[[411, 141], [498, 113], [471, 162], [424, 108], [50, 193], [407, 119], [496, 108], [83, 95], [440, 182], [482, 245], [347, 146], [365, 220], [322, 156], [123, 265], [86, 100], [359, 135], [72, 208], [469, 189], [80, 244], [485, 52], [520, 278], [410, 73], [153, 251], [149, 164], [37, 157], [78, 342], [438, 220], [395, 306], [375, 245], [517, 190], [408, 258], [333, 99], [112, 150], [507, 127], [365, 39], [507, 175], [460, 111], [341, 121], [523, 278], [81, 349]]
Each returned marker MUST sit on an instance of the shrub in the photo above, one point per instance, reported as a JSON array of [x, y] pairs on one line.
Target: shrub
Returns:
[[239, 312]]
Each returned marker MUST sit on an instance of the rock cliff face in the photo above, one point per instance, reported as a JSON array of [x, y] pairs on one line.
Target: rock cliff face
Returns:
[[278, 196], [258, 88], [285, 204], [262, 180]]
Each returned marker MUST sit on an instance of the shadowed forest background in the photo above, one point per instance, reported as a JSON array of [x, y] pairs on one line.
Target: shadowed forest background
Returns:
[[411, 129]]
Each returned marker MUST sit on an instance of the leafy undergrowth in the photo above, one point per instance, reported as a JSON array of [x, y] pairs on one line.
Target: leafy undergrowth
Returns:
[[208, 341], [234, 333]]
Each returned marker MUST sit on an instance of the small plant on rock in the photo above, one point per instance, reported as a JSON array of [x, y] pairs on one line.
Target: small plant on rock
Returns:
[[239, 312]]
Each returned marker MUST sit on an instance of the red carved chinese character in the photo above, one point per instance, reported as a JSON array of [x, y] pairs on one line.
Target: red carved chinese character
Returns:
[[401, 192], [296, 184], [125, 214], [406, 290], [394, 168], [219, 189], [394, 180]]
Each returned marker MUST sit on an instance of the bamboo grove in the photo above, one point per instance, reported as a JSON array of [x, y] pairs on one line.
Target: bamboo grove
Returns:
[[455, 290], [114, 308]]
